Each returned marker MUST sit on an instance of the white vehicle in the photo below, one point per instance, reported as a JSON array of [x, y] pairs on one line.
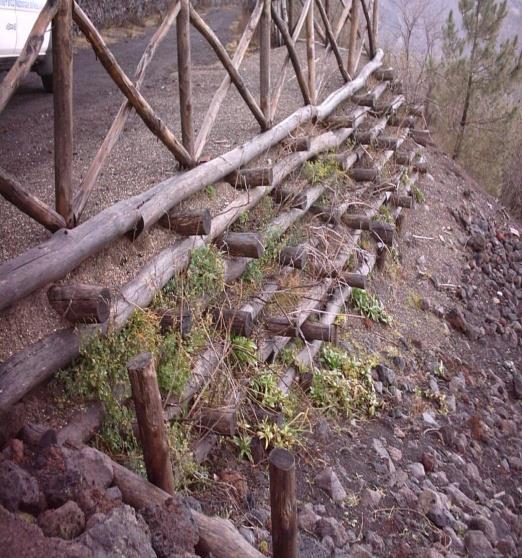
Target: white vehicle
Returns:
[[17, 18]]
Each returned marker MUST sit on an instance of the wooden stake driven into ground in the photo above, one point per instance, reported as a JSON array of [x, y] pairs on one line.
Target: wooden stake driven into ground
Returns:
[[13, 192], [63, 110], [149, 412], [185, 76], [310, 53], [141, 105], [265, 32], [283, 504], [352, 46], [118, 124], [29, 53], [224, 58]]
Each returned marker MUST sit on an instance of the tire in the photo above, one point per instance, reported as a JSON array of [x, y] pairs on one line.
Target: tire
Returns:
[[47, 82]]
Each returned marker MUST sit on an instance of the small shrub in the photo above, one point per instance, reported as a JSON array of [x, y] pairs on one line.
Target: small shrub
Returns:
[[370, 306], [320, 170], [418, 194]]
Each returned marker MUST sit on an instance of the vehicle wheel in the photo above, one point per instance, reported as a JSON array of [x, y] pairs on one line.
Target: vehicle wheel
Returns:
[[47, 82]]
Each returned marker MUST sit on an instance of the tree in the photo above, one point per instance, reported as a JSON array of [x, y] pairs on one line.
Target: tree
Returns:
[[485, 67]]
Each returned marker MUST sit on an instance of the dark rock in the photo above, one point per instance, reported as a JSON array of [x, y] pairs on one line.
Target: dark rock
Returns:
[[330, 483], [517, 384], [477, 241], [328, 526], [93, 467], [311, 548], [92, 500], [386, 375], [167, 541], [308, 518], [121, 534], [455, 317], [19, 490], [66, 522], [507, 547], [477, 545], [481, 523]]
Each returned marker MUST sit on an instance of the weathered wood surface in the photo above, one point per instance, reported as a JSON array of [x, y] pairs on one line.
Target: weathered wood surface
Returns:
[[332, 40], [244, 244], [175, 319], [36, 364], [283, 504], [63, 110], [308, 330], [91, 176], [244, 179], [352, 46], [140, 104], [152, 429], [297, 200], [81, 303], [185, 76], [13, 192], [224, 58], [237, 322], [310, 53], [361, 174], [264, 58], [29, 53], [83, 426], [222, 420], [195, 222]]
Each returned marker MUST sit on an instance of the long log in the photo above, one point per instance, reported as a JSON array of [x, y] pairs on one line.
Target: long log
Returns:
[[140, 104], [81, 303], [29, 52], [93, 172], [13, 192], [356, 280], [185, 76], [63, 110], [36, 364], [308, 330], [194, 222], [290, 45], [221, 92], [224, 58], [152, 429]]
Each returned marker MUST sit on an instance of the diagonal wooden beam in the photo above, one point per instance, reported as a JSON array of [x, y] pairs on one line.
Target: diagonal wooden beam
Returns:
[[222, 90], [140, 104], [13, 192], [290, 45], [332, 40], [369, 28], [282, 73], [118, 124], [29, 53], [223, 56]]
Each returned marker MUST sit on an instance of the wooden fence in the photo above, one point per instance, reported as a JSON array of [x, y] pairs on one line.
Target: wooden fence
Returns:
[[276, 21]]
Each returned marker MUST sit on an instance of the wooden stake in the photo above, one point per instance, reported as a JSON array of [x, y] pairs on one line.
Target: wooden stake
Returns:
[[244, 244], [185, 76], [81, 303], [195, 222], [283, 504], [352, 47], [13, 192], [310, 53], [149, 412], [308, 330], [264, 58], [140, 104], [63, 110], [375, 23]]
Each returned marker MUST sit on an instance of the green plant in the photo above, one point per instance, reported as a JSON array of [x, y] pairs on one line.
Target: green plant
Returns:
[[101, 374], [320, 170], [185, 469], [243, 351], [440, 370], [205, 274], [385, 215], [243, 443], [343, 385], [273, 243], [210, 191], [418, 194], [265, 387], [275, 435], [370, 306]]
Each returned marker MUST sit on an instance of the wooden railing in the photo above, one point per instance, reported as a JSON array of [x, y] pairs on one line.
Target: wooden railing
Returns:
[[267, 16]]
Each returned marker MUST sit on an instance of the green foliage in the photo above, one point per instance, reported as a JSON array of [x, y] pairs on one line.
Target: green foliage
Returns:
[[320, 170], [101, 374], [285, 435], [384, 214], [370, 306], [418, 194], [265, 386], [243, 351], [243, 442], [185, 469], [343, 385], [210, 191], [205, 275], [255, 268]]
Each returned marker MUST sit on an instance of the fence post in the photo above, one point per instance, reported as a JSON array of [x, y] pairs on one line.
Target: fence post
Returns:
[[185, 76], [310, 53], [63, 109], [283, 504], [151, 423], [264, 74], [352, 46], [375, 24]]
